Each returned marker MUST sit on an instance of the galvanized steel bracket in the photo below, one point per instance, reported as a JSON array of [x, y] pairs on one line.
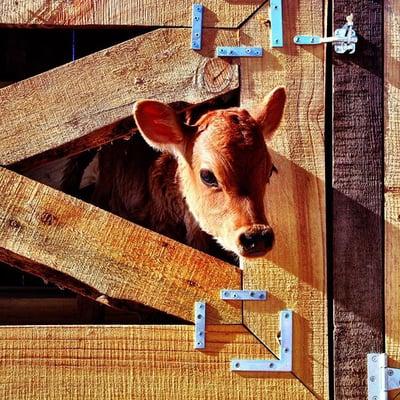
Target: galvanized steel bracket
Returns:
[[276, 23], [238, 51], [200, 325], [253, 295], [284, 364], [381, 378], [197, 26]]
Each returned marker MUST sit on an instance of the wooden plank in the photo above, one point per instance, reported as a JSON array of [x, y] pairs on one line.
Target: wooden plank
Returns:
[[140, 362], [392, 182], [217, 13], [107, 258], [96, 93], [294, 272], [357, 199]]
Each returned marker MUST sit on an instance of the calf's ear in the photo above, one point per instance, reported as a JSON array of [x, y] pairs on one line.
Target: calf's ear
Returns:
[[270, 112], [159, 125]]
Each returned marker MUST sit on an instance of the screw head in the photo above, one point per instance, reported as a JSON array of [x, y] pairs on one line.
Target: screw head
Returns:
[[261, 295], [237, 365], [271, 365], [199, 343], [375, 398], [374, 358], [286, 350], [199, 316], [287, 315], [390, 372], [372, 379]]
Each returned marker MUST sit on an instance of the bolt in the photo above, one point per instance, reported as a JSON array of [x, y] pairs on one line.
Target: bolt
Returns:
[[237, 365], [276, 7], [287, 315], [276, 40], [196, 18], [261, 296], [202, 306], [199, 344], [234, 295], [201, 333], [286, 350], [390, 372], [374, 358], [312, 40], [251, 293], [271, 365], [248, 51], [199, 316], [297, 39], [231, 52]]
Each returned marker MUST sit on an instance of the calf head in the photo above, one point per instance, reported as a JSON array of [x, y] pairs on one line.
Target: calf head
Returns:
[[223, 167]]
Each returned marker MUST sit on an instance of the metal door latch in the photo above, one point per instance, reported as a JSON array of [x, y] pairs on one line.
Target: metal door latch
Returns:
[[197, 26], [227, 294], [284, 364], [344, 39], [200, 325], [381, 378]]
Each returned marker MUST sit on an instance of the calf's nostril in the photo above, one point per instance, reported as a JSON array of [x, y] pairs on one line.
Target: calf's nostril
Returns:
[[257, 241]]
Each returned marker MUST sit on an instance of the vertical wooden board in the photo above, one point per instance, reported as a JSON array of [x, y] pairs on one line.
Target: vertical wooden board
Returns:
[[294, 271], [221, 13], [137, 362], [392, 181], [357, 230]]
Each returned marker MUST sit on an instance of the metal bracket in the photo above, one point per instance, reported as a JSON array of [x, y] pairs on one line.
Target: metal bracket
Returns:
[[344, 40], [238, 51], [200, 325], [381, 379], [197, 26], [227, 294], [276, 23], [284, 364]]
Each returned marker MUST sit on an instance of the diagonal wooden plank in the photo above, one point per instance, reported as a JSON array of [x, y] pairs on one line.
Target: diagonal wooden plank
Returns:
[[136, 362], [218, 13], [294, 272], [67, 103], [102, 256]]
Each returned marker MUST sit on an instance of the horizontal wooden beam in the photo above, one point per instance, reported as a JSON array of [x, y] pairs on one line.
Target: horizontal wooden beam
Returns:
[[217, 13], [96, 93], [136, 362], [102, 256]]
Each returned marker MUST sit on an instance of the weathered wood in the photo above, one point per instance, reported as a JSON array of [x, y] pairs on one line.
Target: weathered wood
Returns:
[[294, 271], [147, 362], [392, 182], [217, 13], [102, 256], [96, 93], [357, 199]]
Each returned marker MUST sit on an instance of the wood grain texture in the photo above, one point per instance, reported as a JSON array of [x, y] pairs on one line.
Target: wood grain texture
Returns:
[[357, 199], [294, 271], [392, 182], [102, 256], [96, 93], [217, 13], [152, 362]]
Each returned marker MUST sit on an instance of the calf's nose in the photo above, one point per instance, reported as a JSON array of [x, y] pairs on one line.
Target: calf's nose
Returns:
[[256, 242]]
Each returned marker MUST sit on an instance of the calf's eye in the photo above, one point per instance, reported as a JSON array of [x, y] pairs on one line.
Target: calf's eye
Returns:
[[208, 178]]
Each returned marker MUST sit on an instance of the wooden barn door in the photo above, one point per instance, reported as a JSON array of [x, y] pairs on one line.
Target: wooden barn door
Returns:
[[87, 103]]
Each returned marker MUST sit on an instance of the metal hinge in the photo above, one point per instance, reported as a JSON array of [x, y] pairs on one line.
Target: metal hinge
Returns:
[[344, 40], [284, 364], [381, 378]]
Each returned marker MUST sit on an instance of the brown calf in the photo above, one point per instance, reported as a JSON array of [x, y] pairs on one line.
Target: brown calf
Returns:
[[195, 183]]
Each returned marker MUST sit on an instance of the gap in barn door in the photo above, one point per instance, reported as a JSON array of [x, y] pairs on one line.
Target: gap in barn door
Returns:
[[25, 299]]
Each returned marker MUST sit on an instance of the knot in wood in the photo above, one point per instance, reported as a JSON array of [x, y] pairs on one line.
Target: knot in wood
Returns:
[[14, 224], [47, 218], [214, 75]]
